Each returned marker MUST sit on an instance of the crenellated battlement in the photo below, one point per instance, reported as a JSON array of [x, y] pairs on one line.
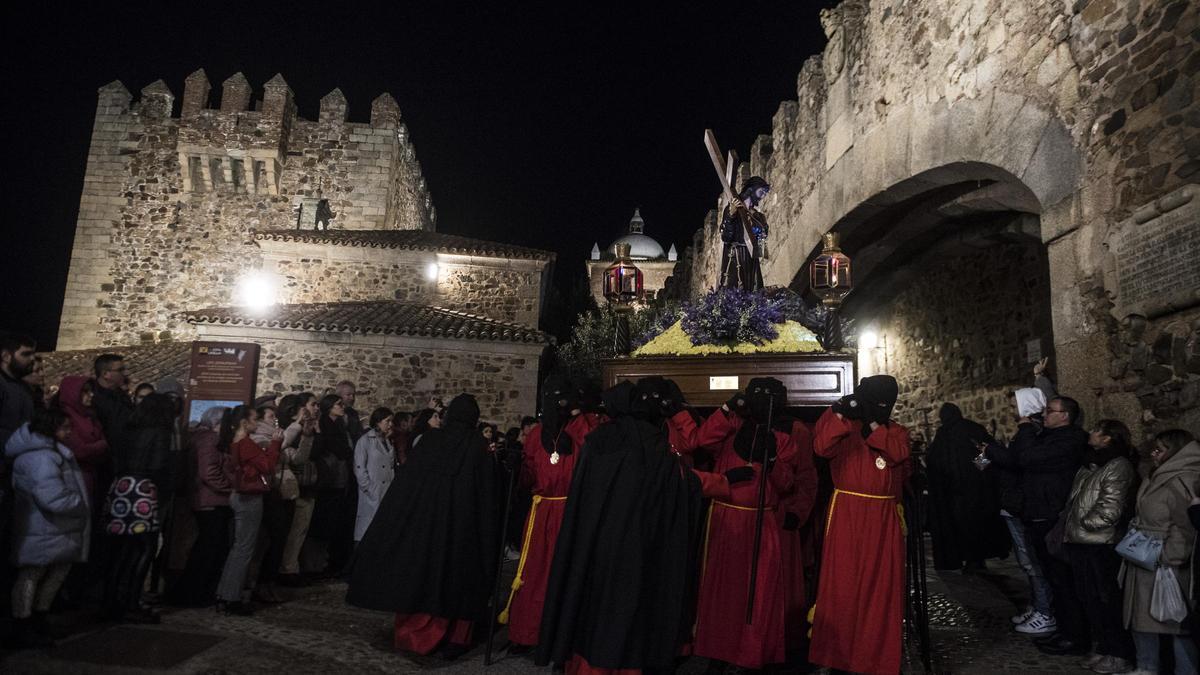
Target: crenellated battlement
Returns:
[[173, 189]]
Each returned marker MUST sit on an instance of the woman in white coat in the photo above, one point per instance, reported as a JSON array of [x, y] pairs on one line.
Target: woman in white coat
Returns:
[[374, 468]]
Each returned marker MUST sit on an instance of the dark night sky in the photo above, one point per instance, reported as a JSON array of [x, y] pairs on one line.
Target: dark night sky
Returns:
[[543, 127]]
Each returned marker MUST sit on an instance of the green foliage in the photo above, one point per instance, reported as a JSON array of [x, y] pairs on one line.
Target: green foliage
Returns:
[[594, 338]]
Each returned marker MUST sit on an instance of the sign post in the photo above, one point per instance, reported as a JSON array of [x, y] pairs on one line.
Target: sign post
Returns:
[[221, 374]]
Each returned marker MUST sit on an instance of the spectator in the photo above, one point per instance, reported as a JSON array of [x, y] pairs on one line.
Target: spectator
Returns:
[[1162, 511], [299, 417], [1096, 515], [401, 432], [87, 441], [16, 399], [36, 379], [142, 391], [51, 520], [278, 508], [1048, 460], [211, 485], [427, 419], [1038, 617], [111, 403], [140, 459], [346, 390], [252, 468], [374, 468], [333, 452]]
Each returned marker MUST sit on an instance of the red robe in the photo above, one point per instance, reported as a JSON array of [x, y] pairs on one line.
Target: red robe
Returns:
[[860, 598], [422, 633], [549, 484], [721, 629], [799, 501]]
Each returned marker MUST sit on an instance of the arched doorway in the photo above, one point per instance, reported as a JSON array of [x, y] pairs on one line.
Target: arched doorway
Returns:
[[952, 291]]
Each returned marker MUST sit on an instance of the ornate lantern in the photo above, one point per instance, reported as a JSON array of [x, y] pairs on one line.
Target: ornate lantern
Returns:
[[622, 287], [622, 279], [829, 274]]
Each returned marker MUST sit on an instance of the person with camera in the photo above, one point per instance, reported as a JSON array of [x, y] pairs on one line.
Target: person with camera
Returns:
[[744, 448], [298, 415], [860, 596]]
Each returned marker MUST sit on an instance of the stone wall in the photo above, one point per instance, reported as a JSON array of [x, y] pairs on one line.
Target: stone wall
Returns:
[[168, 203], [401, 373], [497, 288], [971, 346], [1089, 107]]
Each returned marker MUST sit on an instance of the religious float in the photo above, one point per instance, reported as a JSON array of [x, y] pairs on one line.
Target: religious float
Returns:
[[712, 347]]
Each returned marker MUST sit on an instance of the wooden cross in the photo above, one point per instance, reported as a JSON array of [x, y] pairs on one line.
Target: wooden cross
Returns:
[[725, 174]]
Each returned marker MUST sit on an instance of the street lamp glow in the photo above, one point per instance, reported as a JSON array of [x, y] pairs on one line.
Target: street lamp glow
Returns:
[[868, 340], [256, 291], [431, 271]]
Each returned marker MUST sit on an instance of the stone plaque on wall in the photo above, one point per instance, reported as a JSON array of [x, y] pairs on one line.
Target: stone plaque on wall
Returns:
[[1154, 257]]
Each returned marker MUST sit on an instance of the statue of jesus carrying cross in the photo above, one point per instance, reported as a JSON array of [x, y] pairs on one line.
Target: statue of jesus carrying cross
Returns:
[[743, 228]]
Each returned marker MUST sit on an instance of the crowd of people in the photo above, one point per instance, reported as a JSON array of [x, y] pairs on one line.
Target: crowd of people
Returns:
[[641, 530], [112, 500], [1104, 537]]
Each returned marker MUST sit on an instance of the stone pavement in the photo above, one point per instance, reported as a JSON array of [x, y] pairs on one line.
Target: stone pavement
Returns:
[[317, 633]]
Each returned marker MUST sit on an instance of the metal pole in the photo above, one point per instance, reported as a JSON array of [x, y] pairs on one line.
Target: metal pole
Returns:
[[758, 516], [495, 600]]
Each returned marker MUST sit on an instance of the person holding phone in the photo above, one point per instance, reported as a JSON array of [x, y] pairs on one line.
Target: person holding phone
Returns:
[[253, 466]]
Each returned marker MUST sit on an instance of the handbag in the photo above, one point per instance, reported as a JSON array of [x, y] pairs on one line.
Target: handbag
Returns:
[[287, 484], [1140, 548], [1166, 600], [1056, 537]]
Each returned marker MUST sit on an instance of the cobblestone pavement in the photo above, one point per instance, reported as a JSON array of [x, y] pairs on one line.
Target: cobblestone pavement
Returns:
[[317, 633]]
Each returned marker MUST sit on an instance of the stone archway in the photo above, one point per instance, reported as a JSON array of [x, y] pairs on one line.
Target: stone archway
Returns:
[[942, 201]]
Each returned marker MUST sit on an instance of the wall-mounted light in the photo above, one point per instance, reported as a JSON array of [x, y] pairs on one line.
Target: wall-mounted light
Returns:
[[256, 290], [431, 271], [868, 340]]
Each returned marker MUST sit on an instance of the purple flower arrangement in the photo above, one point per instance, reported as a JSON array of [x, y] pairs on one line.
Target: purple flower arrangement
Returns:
[[728, 316]]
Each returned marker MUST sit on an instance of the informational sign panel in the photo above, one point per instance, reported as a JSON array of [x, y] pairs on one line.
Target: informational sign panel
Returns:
[[1154, 256], [222, 374]]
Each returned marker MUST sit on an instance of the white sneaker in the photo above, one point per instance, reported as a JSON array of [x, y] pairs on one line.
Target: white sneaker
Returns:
[[1023, 616], [1038, 624]]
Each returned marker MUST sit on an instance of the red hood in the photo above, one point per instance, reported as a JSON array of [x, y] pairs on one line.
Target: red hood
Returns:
[[69, 395]]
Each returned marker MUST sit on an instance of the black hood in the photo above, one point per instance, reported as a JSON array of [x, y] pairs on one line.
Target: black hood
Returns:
[[878, 395], [949, 414], [463, 411], [649, 395], [618, 400], [558, 393], [766, 397]]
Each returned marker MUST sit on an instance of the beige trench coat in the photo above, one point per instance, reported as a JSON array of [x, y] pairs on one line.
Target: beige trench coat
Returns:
[[1162, 505]]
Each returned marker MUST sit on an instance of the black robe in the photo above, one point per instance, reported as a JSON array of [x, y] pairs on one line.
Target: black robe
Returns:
[[431, 548], [619, 582], [740, 254], [964, 511]]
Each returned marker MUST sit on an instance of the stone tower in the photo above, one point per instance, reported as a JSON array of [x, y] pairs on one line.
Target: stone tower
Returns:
[[170, 204]]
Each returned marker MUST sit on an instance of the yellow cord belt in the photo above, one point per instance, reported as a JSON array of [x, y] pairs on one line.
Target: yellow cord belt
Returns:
[[517, 580], [829, 519]]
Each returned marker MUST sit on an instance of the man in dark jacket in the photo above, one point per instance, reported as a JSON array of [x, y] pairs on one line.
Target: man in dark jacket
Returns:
[[111, 400], [1048, 460], [16, 399]]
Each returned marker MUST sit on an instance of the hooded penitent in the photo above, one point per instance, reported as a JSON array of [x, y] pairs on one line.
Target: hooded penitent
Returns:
[[431, 547], [649, 396], [878, 395], [617, 587], [558, 395], [766, 399]]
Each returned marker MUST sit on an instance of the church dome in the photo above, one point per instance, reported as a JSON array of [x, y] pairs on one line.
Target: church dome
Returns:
[[641, 247]]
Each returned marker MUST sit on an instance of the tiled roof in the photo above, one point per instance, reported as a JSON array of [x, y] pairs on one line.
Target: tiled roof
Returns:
[[417, 240], [145, 363], [378, 316]]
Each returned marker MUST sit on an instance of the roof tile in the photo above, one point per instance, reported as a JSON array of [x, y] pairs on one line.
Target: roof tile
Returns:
[[376, 316], [419, 240]]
